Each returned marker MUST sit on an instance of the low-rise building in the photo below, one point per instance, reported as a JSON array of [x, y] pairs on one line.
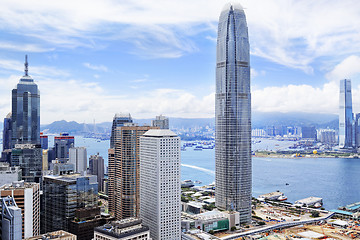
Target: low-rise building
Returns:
[[197, 234], [211, 220], [86, 219], [126, 229], [57, 235], [310, 202], [9, 174]]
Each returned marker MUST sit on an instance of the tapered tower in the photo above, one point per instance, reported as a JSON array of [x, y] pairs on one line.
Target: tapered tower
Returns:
[[233, 113]]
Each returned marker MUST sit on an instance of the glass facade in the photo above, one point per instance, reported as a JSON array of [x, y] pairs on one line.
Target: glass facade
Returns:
[[233, 114], [25, 112], [345, 115], [118, 121]]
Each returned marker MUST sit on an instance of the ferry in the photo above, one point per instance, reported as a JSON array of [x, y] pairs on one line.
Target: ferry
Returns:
[[282, 198], [187, 184]]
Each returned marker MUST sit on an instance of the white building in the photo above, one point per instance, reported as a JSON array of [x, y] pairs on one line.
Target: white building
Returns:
[[9, 174], [78, 157], [327, 136], [160, 183]]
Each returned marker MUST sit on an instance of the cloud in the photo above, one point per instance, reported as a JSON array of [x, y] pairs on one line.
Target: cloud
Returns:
[[348, 68], [23, 47], [96, 67]]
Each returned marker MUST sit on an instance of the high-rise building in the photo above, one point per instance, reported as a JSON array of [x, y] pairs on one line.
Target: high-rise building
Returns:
[[78, 157], [308, 132], [233, 114], [356, 131], [160, 183], [63, 195], [57, 235], [160, 121], [10, 219], [327, 136], [62, 144], [126, 229], [345, 115], [7, 133], [25, 116], [124, 179], [44, 141], [96, 167], [29, 158], [27, 197], [118, 121], [9, 174]]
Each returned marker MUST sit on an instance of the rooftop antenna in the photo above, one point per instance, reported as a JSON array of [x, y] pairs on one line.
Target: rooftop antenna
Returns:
[[26, 66]]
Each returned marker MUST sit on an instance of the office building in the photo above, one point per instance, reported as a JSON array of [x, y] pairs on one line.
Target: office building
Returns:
[[10, 220], [96, 167], [27, 197], [45, 160], [111, 180], [29, 158], [345, 115], [44, 141], [308, 132], [9, 174], [118, 121], [86, 219], [124, 179], [126, 229], [57, 235], [25, 116], [233, 114], [7, 133], [62, 144], [160, 121], [160, 188], [63, 195], [78, 157]]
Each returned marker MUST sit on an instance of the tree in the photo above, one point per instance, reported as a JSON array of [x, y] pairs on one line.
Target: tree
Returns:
[[315, 214], [233, 228]]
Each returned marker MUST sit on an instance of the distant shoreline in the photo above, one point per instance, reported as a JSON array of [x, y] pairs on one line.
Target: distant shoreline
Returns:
[[277, 155]]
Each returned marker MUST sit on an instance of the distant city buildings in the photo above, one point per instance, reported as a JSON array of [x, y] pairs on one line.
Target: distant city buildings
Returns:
[[78, 157], [126, 229], [7, 132], [10, 219], [44, 141], [27, 197], [160, 183], [327, 136], [233, 174], [96, 167], [308, 132], [63, 195], [160, 121]]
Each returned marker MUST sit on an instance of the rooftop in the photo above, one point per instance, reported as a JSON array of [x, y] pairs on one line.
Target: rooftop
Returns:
[[159, 133]]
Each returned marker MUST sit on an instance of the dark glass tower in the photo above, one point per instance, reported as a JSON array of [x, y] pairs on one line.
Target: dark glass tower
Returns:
[[118, 121], [233, 114], [25, 111]]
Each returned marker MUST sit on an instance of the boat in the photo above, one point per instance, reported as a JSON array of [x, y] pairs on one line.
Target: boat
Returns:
[[198, 182], [286, 184], [187, 184], [282, 198], [317, 205]]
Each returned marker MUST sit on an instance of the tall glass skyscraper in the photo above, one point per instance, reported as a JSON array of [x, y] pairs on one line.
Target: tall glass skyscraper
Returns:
[[25, 116], [118, 121], [345, 114], [233, 114]]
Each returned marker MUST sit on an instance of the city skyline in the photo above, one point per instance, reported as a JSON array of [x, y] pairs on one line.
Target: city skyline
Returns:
[[94, 56]]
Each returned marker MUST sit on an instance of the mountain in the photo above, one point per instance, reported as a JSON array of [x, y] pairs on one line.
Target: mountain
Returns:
[[259, 120]]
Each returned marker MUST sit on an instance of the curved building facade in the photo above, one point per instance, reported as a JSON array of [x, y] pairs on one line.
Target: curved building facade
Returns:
[[233, 114]]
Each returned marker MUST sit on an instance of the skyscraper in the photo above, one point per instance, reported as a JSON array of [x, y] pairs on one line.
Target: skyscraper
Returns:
[[62, 144], [10, 219], [25, 116], [7, 132], [160, 183], [160, 121], [233, 114], [124, 171], [96, 167], [345, 114], [118, 121], [78, 157]]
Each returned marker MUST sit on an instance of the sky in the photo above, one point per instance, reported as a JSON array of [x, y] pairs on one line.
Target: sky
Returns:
[[92, 59]]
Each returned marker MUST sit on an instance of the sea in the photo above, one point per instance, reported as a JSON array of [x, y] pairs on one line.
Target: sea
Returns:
[[336, 180]]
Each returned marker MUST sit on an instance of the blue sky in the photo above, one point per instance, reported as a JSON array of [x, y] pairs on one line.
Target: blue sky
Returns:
[[92, 59]]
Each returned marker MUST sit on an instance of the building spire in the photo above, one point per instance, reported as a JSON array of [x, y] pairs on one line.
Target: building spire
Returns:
[[26, 66]]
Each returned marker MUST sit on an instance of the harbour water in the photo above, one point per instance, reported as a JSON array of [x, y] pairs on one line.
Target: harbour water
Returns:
[[336, 180]]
